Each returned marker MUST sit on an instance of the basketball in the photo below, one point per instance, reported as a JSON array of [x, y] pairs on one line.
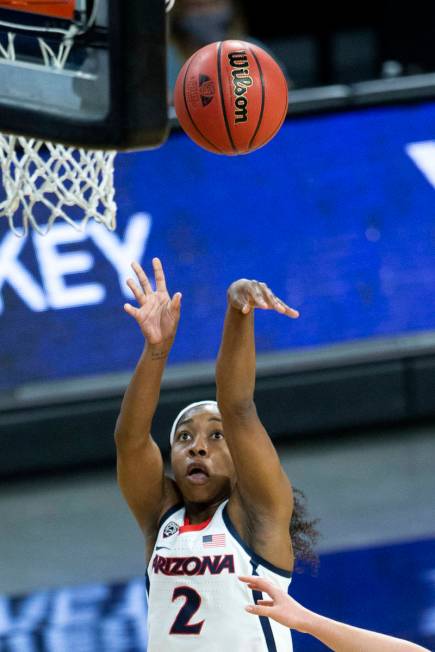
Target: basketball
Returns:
[[231, 97]]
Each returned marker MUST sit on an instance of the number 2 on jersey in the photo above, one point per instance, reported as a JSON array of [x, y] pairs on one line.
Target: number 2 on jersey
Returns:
[[181, 624]]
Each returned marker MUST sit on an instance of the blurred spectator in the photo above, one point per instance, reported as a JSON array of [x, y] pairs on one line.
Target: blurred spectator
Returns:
[[406, 38], [195, 23]]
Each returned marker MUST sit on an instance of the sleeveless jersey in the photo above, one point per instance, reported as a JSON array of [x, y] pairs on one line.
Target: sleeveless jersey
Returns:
[[196, 601]]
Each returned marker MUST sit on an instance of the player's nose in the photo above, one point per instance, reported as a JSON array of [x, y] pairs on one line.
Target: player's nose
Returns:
[[199, 447]]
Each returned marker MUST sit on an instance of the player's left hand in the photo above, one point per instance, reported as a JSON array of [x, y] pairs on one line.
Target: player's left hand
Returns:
[[245, 295]]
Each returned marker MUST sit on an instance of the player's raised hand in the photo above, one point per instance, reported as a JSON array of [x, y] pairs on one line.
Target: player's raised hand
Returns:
[[245, 295], [281, 607], [157, 314]]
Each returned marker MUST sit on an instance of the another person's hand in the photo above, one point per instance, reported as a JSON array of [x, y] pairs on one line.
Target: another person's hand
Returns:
[[281, 607], [245, 295], [335, 635], [157, 315]]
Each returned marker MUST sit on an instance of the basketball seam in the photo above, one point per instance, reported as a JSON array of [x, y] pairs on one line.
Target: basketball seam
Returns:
[[190, 117], [260, 118], [280, 123], [227, 126]]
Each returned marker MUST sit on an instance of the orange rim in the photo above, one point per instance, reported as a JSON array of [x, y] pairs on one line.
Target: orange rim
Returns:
[[56, 8]]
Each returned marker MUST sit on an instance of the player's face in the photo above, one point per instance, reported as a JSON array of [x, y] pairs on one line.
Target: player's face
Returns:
[[201, 460]]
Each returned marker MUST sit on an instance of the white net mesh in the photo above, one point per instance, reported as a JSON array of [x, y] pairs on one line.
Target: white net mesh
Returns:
[[46, 181]]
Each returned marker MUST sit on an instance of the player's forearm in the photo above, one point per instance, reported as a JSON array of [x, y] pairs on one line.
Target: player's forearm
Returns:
[[142, 395], [345, 638], [235, 366]]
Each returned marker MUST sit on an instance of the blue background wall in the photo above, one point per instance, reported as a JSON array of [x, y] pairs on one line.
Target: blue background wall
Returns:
[[389, 589], [333, 214]]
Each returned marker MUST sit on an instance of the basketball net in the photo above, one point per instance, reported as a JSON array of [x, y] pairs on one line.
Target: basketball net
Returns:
[[44, 181]]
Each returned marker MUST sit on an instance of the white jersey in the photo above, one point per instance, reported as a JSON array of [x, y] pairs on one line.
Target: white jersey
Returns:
[[196, 602]]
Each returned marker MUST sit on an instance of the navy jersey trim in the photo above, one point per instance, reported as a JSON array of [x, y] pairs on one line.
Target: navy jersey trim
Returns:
[[264, 622], [147, 584], [256, 558], [169, 513]]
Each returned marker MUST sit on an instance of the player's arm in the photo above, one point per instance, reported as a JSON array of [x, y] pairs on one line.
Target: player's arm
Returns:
[[335, 635], [139, 461], [261, 480]]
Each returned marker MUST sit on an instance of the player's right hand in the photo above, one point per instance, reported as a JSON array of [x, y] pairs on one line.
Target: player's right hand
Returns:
[[245, 295], [157, 314]]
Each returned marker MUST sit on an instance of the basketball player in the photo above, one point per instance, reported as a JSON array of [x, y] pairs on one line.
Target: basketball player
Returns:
[[228, 508], [335, 635]]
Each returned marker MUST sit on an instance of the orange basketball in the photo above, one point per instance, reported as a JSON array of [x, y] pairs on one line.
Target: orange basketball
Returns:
[[231, 97]]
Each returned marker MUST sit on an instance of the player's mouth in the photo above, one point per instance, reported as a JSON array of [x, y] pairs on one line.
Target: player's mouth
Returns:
[[197, 473]]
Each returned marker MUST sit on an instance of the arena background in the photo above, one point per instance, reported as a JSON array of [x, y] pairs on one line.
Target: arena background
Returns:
[[336, 214]]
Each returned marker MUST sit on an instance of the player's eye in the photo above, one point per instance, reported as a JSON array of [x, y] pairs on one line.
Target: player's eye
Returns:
[[184, 436], [217, 434]]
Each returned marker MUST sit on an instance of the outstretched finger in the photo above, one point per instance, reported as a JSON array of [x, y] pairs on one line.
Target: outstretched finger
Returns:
[[283, 308], [256, 296], [142, 278], [258, 610], [130, 310], [261, 584], [278, 304], [269, 298], [159, 275], [138, 294], [290, 312], [176, 302]]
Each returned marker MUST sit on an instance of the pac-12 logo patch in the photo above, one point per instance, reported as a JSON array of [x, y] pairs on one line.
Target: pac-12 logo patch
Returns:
[[170, 529]]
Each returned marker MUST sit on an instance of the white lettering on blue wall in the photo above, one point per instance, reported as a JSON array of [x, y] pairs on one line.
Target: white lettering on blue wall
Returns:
[[423, 155], [55, 264]]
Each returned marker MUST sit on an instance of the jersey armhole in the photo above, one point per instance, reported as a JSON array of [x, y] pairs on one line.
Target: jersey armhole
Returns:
[[260, 561]]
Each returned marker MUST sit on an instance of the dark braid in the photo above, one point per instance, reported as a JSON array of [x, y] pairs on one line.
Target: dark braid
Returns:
[[303, 532]]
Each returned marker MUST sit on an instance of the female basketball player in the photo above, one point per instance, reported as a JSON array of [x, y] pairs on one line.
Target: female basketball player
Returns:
[[228, 509], [335, 635]]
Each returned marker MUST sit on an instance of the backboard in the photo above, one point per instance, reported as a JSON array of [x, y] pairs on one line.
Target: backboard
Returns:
[[88, 73]]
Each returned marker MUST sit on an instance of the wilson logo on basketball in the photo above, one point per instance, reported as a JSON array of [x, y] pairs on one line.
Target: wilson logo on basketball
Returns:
[[241, 82], [206, 89]]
